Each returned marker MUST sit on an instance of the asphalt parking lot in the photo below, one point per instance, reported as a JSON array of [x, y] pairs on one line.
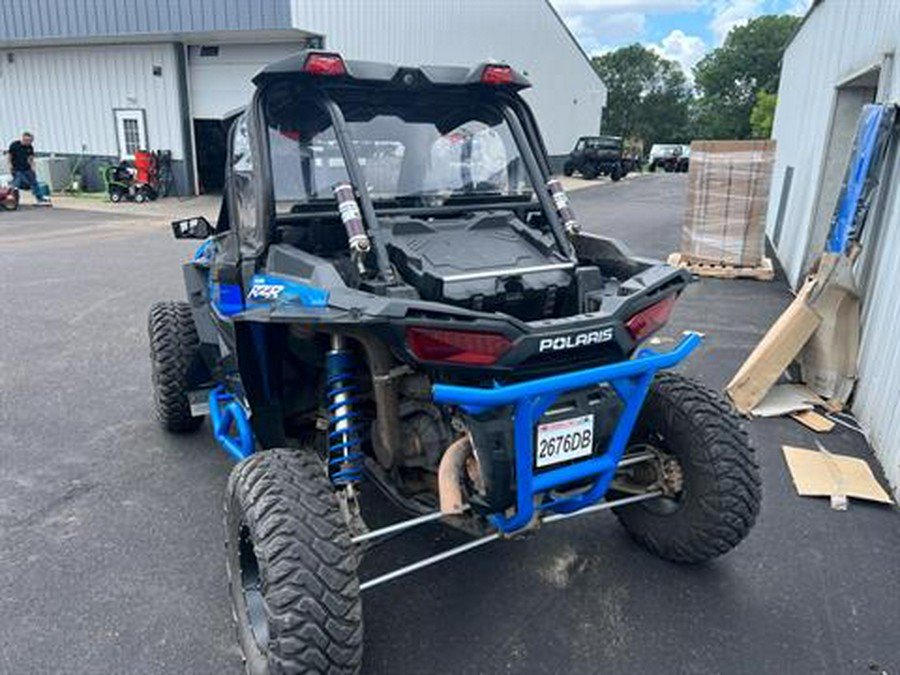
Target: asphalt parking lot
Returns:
[[112, 557]]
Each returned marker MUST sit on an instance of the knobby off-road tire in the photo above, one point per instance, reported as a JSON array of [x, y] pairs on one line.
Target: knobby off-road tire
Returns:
[[173, 348], [292, 569], [721, 485]]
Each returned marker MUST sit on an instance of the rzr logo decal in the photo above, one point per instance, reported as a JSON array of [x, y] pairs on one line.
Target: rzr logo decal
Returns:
[[265, 291], [563, 342]]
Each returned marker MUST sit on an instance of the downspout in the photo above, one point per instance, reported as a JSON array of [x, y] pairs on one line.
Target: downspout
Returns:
[[187, 127]]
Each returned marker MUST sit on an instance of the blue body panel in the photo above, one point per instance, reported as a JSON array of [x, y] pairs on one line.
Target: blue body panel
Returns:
[[630, 380], [227, 298]]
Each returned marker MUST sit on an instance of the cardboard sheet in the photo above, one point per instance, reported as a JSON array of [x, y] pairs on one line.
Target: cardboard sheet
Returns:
[[822, 474], [813, 420]]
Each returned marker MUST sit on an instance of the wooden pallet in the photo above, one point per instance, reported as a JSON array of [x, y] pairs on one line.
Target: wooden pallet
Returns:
[[765, 271]]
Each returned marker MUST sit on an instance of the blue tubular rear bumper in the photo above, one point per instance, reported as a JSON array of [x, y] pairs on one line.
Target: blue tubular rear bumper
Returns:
[[629, 379]]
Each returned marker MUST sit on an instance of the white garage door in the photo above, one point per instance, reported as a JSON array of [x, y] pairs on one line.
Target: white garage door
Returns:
[[220, 75]]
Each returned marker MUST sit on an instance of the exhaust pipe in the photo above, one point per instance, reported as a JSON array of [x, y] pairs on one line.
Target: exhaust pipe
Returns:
[[450, 475]]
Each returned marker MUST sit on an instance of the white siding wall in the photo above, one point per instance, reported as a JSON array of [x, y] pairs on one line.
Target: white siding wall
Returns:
[[567, 97], [66, 96], [877, 402], [220, 85], [839, 39]]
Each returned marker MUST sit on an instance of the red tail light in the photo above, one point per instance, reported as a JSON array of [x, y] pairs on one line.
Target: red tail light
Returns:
[[473, 348], [497, 75], [650, 319], [324, 64]]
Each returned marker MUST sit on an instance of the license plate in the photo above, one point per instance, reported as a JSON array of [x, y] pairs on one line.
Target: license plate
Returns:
[[564, 440]]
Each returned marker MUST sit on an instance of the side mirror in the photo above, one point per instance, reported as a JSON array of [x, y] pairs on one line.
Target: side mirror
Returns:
[[192, 228]]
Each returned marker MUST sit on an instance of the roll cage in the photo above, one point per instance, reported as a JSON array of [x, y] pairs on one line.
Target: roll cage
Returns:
[[250, 198]]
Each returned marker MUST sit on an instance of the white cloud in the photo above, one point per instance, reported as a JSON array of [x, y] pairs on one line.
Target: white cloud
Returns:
[[800, 7], [624, 26], [687, 50], [729, 14], [594, 32]]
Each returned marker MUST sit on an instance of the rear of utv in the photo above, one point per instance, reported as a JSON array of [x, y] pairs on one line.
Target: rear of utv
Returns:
[[397, 296]]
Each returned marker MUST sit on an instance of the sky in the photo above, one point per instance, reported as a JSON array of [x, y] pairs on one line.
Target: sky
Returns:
[[681, 30]]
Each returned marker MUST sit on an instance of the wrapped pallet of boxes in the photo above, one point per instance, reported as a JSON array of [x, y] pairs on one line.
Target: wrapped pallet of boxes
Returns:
[[728, 193]]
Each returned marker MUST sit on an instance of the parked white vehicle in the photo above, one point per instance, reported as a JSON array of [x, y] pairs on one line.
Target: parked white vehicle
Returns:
[[669, 157]]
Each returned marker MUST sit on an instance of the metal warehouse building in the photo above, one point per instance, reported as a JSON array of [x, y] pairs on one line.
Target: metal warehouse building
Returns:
[[842, 58], [102, 78]]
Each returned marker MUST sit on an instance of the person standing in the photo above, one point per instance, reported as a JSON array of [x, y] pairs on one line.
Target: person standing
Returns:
[[20, 158]]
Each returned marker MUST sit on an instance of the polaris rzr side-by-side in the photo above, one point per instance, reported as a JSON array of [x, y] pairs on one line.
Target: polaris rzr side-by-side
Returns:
[[397, 296]]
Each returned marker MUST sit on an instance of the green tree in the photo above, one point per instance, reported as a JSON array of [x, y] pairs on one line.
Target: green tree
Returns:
[[762, 117], [730, 78], [647, 96]]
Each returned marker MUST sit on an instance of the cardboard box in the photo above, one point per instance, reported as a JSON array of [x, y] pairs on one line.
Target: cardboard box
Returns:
[[828, 362], [774, 353], [728, 194]]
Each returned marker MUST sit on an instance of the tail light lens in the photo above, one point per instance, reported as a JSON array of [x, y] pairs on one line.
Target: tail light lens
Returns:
[[475, 348], [497, 75], [330, 65], [650, 319]]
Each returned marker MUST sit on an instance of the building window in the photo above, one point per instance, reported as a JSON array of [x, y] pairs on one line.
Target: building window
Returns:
[[131, 132], [209, 50], [132, 136]]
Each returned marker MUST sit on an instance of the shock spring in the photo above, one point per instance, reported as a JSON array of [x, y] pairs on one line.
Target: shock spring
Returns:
[[344, 454]]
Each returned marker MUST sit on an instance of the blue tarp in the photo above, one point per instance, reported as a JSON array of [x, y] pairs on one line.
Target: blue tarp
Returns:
[[873, 132]]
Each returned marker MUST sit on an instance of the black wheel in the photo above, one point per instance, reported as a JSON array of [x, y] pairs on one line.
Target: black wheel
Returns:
[[140, 197], [568, 169], [292, 569], [616, 174], [706, 466], [590, 171], [115, 196], [174, 351]]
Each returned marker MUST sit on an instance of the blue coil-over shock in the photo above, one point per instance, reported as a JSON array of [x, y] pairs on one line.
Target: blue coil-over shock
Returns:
[[344, 453]]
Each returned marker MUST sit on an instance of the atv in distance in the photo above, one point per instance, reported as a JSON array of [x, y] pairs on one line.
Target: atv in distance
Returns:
[[670, 158], [398, 297], [595, 156]]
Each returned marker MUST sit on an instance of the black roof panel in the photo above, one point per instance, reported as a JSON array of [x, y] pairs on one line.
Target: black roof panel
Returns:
[[373, 71]]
